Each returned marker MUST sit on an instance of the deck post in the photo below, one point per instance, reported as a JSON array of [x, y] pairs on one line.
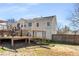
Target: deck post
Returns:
[[25, 41], [33, 33], [12, 42], [28, 40]]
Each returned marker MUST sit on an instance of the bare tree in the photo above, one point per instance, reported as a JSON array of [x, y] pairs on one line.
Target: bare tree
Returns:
[[75, 18], [59, 26]]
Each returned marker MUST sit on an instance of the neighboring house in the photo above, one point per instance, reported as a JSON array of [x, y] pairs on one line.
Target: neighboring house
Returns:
[[3, 25], [47, 24]]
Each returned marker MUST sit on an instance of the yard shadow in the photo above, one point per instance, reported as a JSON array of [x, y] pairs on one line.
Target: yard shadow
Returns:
[[20, 44]]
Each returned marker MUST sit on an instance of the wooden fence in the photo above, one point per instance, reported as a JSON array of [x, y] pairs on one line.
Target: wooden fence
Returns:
[[67, 38]]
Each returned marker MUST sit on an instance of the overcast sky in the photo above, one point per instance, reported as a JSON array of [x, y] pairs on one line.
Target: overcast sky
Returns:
[[21, 10]]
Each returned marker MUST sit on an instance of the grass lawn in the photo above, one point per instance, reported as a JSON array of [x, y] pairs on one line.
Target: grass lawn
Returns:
[[57, 50], [49, 48], [1, 50]]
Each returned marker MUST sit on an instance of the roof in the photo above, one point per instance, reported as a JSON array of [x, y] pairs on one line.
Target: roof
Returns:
[[38, 18], [2, 21], [45, 17]]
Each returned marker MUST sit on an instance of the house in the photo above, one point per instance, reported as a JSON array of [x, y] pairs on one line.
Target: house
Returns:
[[40, 24], [3, 25]]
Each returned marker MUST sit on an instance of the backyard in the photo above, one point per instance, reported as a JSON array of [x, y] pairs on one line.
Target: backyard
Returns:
[[52, 49]]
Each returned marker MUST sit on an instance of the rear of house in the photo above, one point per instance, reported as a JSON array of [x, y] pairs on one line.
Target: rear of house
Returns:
[[47, 24]]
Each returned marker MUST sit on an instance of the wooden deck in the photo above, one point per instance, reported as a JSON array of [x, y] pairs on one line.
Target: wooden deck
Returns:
[[21, 36], [18, 38]]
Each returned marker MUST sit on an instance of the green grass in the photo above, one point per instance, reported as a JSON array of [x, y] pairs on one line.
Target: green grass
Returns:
[[1, 50]]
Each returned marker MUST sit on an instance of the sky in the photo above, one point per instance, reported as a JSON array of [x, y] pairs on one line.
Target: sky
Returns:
[[33, 10]]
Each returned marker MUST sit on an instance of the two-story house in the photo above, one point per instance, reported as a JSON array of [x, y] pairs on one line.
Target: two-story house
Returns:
[[47, 24]]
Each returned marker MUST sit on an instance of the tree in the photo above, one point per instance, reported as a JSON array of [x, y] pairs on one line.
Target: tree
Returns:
[[63, 30], [59, 26], [75, 17], [12, 20], [10, 23]]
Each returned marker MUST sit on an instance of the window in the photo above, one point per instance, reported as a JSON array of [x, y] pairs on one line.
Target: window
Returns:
[[37, 24], [30, 24], [18, 25], [21, 25], [25, 25], [48, 23]]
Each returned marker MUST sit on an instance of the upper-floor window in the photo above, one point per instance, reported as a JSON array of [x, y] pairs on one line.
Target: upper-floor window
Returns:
[[37, 24], [29, 24], [18, 25], [48, 23], [24, 25], [21, 25]]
